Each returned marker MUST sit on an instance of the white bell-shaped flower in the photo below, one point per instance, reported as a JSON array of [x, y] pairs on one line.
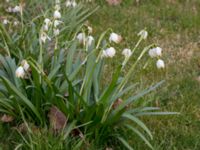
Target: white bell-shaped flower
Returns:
[[25, 65], [57, 23], [57, 14], [90, 39], [20, 73], [158, 51], [114, 37], [74, 4], [16, 9], [47, 21], [143, 34], [5, 21], [68, 3], [127, 52], [110, 52], [155, 52], [160, 64], [56, 32], [81, 37]]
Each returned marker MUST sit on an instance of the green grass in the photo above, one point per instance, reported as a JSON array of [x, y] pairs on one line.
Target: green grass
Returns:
[[175, 26]]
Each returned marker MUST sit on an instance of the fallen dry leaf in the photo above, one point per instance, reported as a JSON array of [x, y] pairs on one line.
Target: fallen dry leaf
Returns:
[[7, 118], [57, 118]]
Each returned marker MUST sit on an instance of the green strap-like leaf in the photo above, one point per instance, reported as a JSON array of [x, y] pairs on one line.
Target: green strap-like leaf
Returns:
[[125, 143], [140, 135], [136, 97], [22, 98], [156, 113], [138, 122]]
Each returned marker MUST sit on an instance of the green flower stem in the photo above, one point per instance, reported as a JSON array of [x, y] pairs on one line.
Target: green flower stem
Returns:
[[41, 55], [127, 59], [102, 37], [125, 79]]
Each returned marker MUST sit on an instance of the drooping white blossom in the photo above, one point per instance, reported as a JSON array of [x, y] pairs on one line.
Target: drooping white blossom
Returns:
[[81, 37], [143, 34], [57, 7], [110, 52], [9, 9], [90, 39], [160, 64], [5, 21], [16, 9], [127, 52], [20, 73], [47, 21], [155, 52], [44, 37], [56, 32], [57, 14], [89, 29], [74, 4], [158, 51], [57, 23], [25, 65], [69, 3], [16, 23], [114, 37], [103, 55], [45, 27]]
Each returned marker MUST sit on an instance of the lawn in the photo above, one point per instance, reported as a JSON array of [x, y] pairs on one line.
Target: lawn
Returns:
[[173, 25]]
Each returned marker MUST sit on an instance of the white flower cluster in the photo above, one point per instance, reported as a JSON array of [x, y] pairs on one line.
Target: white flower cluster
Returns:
[[22, 70], [110, 52], [15, 9], [71, 3], [48, 23], [157, 53], [6, 22]]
